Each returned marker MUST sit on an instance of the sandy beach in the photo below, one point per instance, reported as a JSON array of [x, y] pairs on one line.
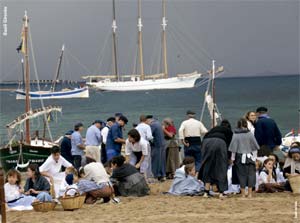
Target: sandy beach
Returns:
[[157, 207]]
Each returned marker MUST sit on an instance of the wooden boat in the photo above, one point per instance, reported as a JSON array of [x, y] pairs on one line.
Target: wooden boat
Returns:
[[18, 153], [81, 92]]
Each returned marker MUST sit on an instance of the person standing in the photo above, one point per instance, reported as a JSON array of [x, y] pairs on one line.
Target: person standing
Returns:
[[251, 119], [66, 146], [104, 132], [266, 132], [172, 146], [115, 138], [78, 146], [93, 140], [190, 133], [215, 157], [144, 129], [158, 150], [244, 153]]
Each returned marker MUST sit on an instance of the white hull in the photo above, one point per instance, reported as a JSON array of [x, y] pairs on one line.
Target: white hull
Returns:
[[75, 93], [152, 84]]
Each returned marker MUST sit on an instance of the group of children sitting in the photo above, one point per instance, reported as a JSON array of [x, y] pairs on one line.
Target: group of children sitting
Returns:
[[123, 179], [93, 180]]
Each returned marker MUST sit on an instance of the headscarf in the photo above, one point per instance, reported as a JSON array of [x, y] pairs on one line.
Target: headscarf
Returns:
[[295, 165]]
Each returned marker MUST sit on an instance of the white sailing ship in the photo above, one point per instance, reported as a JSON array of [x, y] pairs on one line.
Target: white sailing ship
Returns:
[[141, 81]]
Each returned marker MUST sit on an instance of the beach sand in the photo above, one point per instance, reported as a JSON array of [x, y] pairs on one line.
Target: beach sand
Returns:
[[278, 207]]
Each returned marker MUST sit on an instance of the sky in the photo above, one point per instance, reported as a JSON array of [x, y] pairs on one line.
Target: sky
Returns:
[[247, 37]]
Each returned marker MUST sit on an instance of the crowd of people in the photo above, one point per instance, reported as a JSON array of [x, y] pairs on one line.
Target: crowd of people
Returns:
[[106, 164]]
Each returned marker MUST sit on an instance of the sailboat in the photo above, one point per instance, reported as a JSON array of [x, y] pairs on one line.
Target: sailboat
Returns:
[[81, 92], [19, 153], [141, 81]]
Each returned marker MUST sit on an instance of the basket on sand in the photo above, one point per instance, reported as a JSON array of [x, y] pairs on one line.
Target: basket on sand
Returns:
[[295, 184], [43, 206], [71, 203]]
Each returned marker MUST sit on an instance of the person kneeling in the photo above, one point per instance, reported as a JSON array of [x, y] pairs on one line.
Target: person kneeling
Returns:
[[126, 179]]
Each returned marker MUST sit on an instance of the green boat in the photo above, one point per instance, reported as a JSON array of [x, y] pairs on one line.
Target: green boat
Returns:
[[18, 153]]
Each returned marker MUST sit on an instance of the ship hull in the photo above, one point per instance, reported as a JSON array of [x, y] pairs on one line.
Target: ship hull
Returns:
[[35, 153], [153, 84], [76, 93]]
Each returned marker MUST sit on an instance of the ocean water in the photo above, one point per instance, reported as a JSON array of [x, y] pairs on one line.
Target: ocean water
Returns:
[[234, 97]]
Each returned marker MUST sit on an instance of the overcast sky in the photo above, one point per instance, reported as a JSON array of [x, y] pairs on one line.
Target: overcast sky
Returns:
[[248, 37]]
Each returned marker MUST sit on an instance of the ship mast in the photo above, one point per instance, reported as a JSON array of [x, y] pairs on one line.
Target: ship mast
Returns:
[[140, 25], [58, 69], [114, 29], [27, 78], [164, 44], [213, 95]]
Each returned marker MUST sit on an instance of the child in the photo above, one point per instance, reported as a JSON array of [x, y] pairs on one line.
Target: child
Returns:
[[258, 167], [244, 152], [36, 185], [64, 184], [185, 182], [13, 192], [268, 180], [276, 169]]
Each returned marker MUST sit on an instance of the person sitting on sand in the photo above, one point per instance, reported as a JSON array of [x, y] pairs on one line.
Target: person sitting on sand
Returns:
[[137, 151], [244, 153], [36, 185], [185, 182], [268, 182], [14, 197], [64, 185], [126, 179], [52, 166], [276, 169], [291, 166]]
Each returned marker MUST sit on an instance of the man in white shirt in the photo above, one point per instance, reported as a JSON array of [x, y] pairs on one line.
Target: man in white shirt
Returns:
[[190, 133], [93, 140], [144, 129], [104, 132], [51, 168]]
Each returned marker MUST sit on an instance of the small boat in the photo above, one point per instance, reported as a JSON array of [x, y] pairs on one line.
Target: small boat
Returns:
[[18, 153], [65, 93], [81, 92]]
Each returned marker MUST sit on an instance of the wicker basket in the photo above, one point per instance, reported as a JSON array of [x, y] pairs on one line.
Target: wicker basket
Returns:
[[295, 184], [43, 206], [71, 203]]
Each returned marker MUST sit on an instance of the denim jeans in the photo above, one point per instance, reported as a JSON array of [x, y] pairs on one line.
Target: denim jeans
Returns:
[[44, 196]]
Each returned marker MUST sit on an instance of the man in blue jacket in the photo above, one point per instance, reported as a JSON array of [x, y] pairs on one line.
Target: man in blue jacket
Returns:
[[267, 133]]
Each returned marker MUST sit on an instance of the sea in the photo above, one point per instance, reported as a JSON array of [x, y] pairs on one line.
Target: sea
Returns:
[[234, 97]]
